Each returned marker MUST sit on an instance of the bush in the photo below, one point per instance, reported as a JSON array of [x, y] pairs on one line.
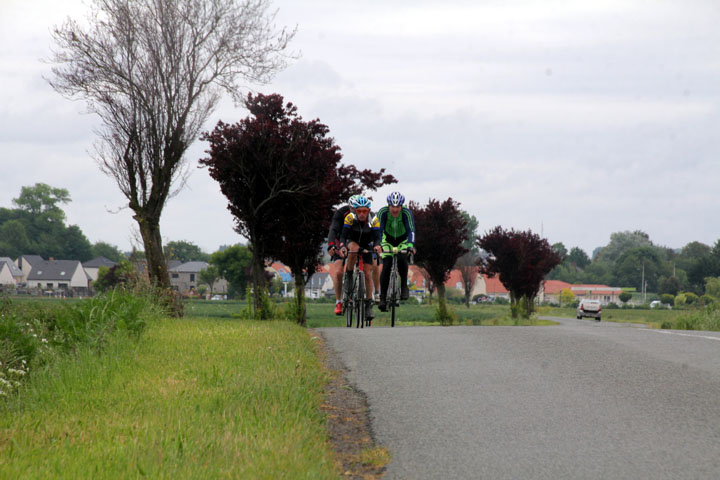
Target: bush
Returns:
[[667, 299], [612, 306], [707, 318], [707, 300], [625, 296]]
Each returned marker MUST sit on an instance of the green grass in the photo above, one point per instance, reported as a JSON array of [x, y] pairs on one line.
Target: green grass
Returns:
[[192, 398], [409, 314], [651, 317]]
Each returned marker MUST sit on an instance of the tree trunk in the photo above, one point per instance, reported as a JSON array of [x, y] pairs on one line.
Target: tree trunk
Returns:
[[152, 241], [259, 285], [300, 309], [514, 301]]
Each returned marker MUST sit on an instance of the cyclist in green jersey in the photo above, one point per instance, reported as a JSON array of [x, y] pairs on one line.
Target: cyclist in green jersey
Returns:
[[398, 230]]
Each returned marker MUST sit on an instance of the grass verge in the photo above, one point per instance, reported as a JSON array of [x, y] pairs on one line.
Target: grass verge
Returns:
[[192, 398]]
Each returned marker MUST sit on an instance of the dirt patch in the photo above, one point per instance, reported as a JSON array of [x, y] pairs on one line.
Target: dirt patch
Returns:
[[348, 422]]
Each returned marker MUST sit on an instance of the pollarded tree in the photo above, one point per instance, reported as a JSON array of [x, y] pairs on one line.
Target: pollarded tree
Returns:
[[442, 229], [282, 177], [153, 71], [521, 259]]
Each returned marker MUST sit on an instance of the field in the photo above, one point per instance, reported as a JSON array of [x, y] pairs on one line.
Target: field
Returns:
[[408, 314]]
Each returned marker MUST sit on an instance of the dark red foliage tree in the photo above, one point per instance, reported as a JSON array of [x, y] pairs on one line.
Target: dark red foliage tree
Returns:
[[441, 231], [521, 259], [283, 178]]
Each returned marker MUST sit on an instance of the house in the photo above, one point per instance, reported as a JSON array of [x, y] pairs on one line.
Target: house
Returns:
[[603, 293], [492, 287], [10, 274], [185, 278], [67, 276], [318, 284], [550, 291], [25, 264], [92, 267]]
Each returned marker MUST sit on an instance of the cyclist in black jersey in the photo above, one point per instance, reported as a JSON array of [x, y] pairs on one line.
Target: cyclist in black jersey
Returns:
[[336, 270], [360, 233]]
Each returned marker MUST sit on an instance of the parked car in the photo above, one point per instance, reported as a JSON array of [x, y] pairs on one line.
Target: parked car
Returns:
[[659, 304], [589, 308]]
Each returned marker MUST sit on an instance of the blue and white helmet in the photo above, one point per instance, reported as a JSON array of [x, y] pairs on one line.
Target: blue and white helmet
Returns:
[[353, 200], [359, 201], [395, 199]]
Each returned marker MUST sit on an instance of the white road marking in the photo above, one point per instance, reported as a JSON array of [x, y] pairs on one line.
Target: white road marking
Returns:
[[683, 334]]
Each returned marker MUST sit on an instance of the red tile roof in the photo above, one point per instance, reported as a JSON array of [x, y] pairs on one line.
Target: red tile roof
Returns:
[[554, 287], [493, 285]]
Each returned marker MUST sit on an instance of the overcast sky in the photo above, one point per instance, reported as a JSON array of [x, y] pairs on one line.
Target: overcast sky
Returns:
[[575, 119]]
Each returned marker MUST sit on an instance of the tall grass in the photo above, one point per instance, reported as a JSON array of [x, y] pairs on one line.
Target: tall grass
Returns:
[[707, 318], [35, 334], [192, 398]]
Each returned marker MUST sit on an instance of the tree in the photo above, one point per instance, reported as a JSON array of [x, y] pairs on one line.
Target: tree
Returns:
[[282, 178], [13, 239], [521, 259], [210, 275], [561, 250], [712, 287], [42, 202], [469, 269], [578, 258], [628, 269], [567, 296], [233, 264], [472, 225], [625, 296], [621, 242], [185, 251], [442, 229], [75, 244], [153, 72], [669, 285], [104, 249]]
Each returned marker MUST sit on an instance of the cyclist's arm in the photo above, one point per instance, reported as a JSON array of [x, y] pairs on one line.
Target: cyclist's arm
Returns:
[[409, 222]]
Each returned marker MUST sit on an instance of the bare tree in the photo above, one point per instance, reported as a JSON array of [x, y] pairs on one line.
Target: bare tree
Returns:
[[153, 71]]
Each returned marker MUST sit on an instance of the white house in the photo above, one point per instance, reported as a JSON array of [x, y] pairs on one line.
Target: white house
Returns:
[[68, 275], [318, 284], [10, 274], [25, 264]]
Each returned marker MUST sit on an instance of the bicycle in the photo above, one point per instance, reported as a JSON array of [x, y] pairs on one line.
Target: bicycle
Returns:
[[355, 301], [393, 293]]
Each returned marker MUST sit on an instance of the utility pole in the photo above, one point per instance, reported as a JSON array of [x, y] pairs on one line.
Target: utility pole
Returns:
[[642, 287]]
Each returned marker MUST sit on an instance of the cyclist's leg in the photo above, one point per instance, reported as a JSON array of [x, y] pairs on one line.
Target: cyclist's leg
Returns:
[[385, 281], [336, 272], [377, 260], [349, 267]]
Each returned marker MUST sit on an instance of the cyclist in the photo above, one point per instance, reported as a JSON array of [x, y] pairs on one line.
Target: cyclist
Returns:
[[336, 270], [360, 232], [398, 230]]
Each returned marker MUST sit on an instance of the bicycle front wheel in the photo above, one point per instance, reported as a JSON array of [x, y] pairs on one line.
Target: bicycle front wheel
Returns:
[[360, 301]]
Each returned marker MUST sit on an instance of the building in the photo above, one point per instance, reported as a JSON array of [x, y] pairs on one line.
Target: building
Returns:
[[10, 274], [92, 267], [318, 285], [603, 293], [25, 264], [63, 276], [550, 291], [185, 278]]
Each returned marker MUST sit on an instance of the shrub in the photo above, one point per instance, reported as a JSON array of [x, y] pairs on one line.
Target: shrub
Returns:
[[625, 296], [707, 300], [691, 298], [667, 299], [612, 306]]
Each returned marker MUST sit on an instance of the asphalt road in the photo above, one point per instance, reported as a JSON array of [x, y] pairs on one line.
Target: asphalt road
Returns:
[[579, 400]]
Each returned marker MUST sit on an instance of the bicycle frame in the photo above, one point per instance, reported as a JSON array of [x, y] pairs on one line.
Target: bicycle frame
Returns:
[[393, 293], [355, 302]]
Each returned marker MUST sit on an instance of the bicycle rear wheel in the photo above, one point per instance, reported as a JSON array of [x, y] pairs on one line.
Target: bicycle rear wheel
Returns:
[[360, 300]]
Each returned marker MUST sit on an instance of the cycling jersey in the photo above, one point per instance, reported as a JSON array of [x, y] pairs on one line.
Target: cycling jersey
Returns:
[[396, 230], [366, 234], [337, 224]]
